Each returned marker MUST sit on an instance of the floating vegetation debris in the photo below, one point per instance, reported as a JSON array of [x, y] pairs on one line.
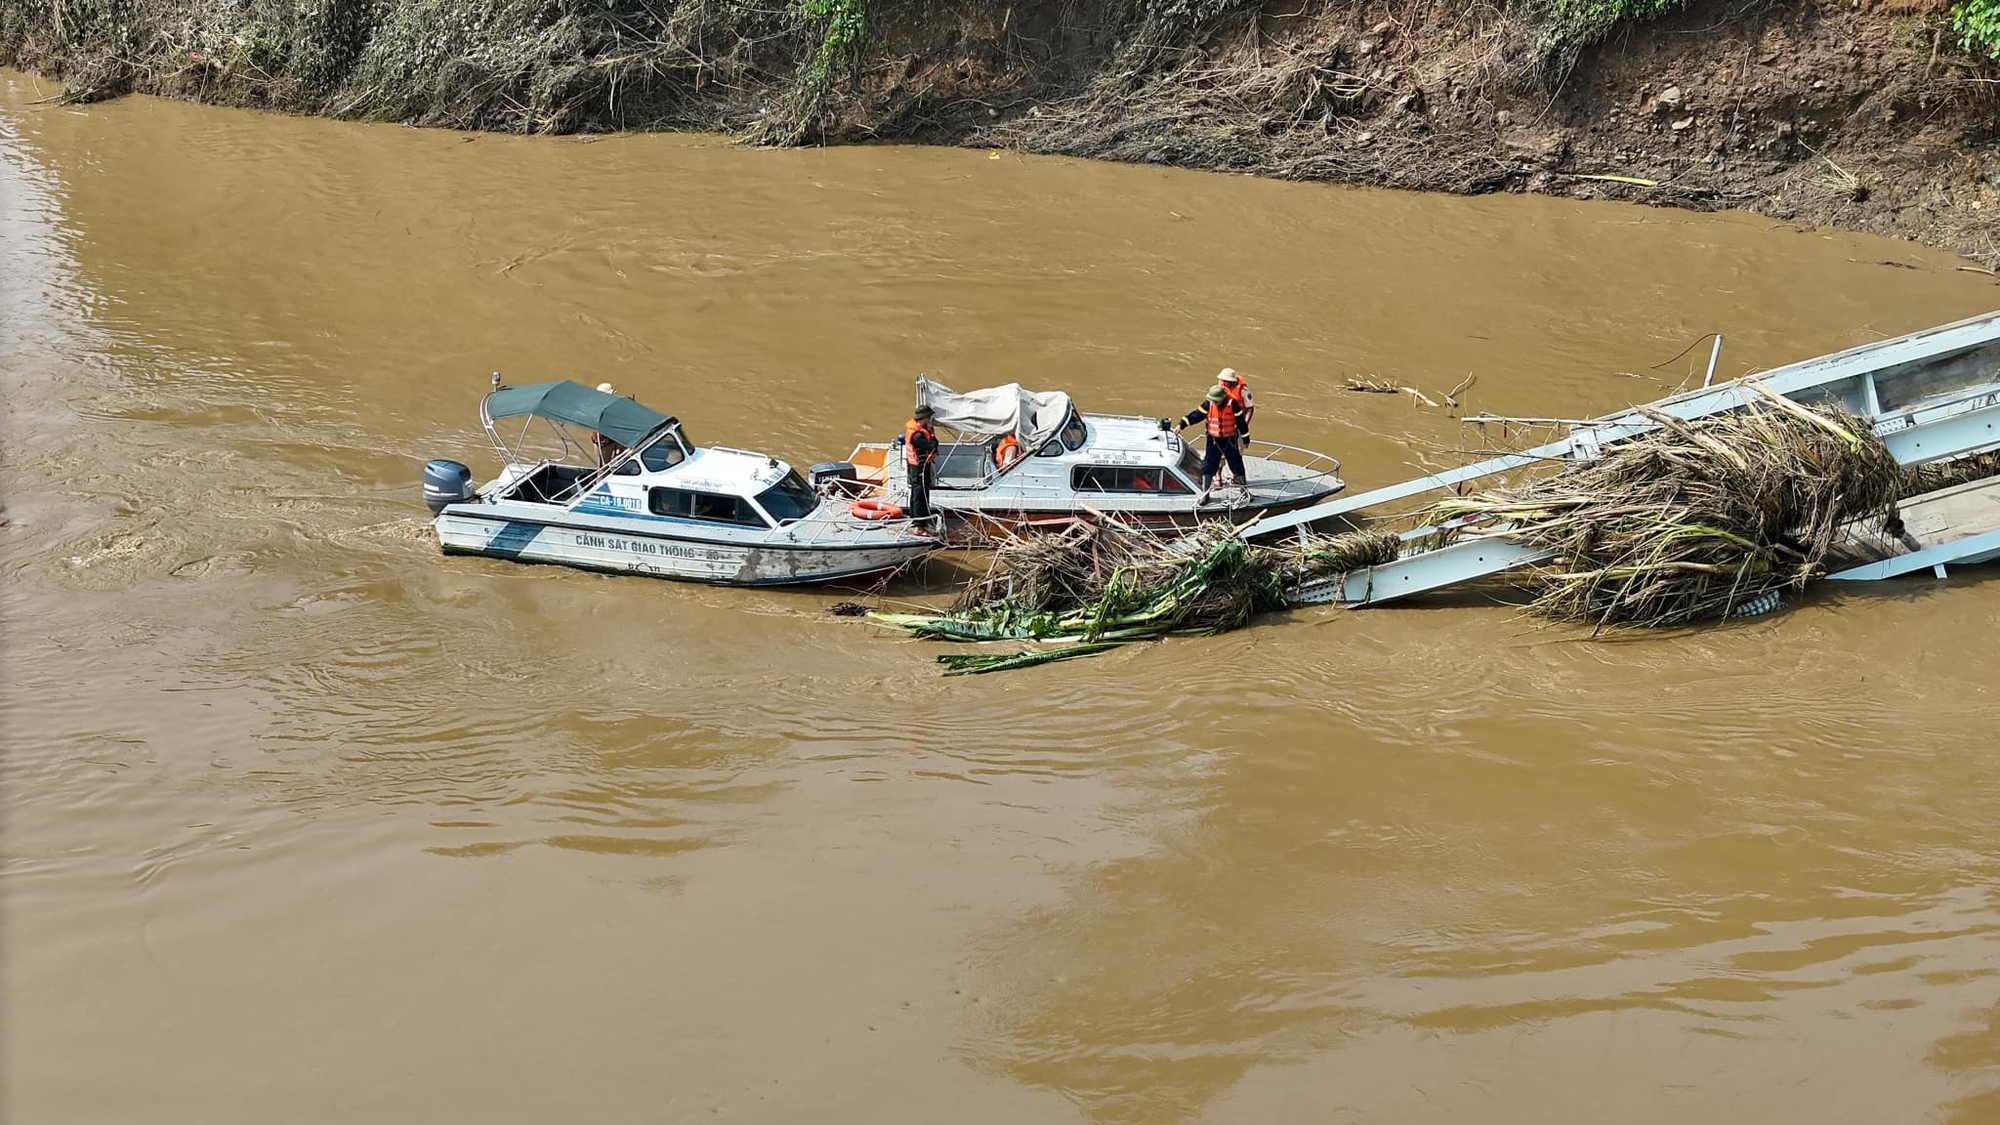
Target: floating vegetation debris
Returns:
[[1945, 474], [1693, 520], [1337, 554], [1373, 386], [1089, 589]]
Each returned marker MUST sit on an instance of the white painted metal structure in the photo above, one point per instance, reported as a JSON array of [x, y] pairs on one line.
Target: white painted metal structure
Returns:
[[1932, 396]]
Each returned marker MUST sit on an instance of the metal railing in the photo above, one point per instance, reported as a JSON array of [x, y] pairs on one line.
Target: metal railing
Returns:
[[1313, 464], [1292, 455]]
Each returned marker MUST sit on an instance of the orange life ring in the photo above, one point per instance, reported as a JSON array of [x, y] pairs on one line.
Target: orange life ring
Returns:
[[874, 510], [1007, 452]]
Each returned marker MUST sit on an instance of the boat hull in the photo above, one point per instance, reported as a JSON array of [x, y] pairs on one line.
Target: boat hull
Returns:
[[609, 546], [969, 525], [1046, 490]]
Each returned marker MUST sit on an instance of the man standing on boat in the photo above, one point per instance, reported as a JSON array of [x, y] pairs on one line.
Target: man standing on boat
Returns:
[[1223, 423], [1238, 391], [920, 447], [607, 450]]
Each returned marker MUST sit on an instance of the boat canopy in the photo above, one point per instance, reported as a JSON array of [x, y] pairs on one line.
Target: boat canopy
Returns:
[[619, 418], [1030, 416]]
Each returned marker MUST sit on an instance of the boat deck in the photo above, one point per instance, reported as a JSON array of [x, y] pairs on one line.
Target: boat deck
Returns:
[[1956, 526]]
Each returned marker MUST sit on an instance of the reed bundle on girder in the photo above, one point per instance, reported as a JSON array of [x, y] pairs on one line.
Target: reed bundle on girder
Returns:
[[1694, 519]]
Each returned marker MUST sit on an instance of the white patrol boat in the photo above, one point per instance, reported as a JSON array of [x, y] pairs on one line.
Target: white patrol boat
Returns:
[[1010, 458], [643, 499]]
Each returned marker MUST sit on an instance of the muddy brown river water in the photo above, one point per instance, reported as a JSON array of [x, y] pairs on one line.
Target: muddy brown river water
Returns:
[[304, 822]]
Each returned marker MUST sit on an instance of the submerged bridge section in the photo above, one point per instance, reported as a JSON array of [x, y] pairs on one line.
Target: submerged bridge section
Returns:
[[1959, 526], [1932, 396]]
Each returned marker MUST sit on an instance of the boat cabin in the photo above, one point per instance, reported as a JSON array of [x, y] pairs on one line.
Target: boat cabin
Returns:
[[1097, 454], [638, 497], [1010, 456], [1011, 440], [639, 463], [669, 478]]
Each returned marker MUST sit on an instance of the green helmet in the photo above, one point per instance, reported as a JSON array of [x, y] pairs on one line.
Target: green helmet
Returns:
[[1217, 394]]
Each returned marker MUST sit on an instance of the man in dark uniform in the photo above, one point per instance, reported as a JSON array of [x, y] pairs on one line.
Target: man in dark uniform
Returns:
[[920, 447], [1220, 416]]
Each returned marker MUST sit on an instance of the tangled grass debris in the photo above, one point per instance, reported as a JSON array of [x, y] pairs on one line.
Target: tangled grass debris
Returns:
[[1695, 519], [1090, 589], [1945, 474]]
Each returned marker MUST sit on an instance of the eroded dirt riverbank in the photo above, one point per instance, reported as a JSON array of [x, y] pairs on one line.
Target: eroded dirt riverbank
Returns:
[[1865, 116]]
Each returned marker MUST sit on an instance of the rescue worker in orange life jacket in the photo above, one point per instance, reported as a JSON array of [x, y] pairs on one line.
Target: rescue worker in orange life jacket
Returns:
[[920, 447], [1222, 423]]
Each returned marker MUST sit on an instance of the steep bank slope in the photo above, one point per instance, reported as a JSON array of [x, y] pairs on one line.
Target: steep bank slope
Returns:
[[1866, 115]]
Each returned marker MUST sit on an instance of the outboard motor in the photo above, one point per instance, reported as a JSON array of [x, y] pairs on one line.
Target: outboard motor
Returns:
[[447, 482], [834, 476]]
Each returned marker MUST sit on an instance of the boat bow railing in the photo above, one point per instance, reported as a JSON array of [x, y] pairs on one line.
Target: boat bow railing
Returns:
[[1313, 462]]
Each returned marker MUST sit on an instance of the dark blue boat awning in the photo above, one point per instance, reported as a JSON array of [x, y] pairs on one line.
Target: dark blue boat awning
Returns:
[[615, 416]]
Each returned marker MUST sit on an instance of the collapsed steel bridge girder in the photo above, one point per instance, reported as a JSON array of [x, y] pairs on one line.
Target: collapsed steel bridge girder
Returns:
[[1882, 381]]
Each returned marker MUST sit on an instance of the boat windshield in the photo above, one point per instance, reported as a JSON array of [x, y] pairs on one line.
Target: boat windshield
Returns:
[[1073, 431], [1190, 461], [789, 499], [665, 453]]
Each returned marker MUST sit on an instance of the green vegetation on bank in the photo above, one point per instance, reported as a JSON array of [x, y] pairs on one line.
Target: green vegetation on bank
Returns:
[[845, 27], [1592, 20], [1978, 25], [1575, 26]]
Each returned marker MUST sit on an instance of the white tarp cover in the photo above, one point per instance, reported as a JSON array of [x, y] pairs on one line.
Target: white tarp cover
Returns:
[[1029, 415]]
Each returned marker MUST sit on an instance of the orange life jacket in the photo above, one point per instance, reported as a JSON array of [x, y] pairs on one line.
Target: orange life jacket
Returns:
[[1235, 391], [1222, 419], [1007, 452], [911, 429]]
